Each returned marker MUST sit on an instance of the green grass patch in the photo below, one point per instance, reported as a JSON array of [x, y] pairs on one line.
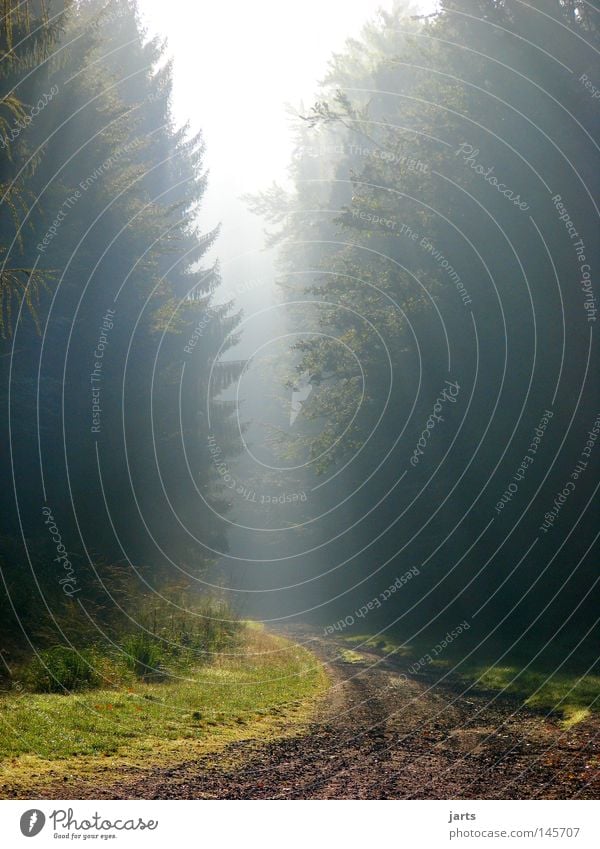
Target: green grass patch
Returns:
[[62, 669], [379, 643], [166, 644], [573, 696], [569, 694], [264, 689], [351, 656]]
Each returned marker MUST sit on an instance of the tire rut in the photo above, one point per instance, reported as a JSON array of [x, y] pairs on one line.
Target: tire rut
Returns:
[[381, 734]]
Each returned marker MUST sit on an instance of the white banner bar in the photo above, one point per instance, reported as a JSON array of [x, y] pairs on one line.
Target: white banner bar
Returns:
[[304, 824]]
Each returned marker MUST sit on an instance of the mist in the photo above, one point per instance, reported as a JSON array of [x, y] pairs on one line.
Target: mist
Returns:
[[299, 372]]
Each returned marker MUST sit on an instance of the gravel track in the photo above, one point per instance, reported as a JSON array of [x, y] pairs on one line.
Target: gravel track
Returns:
[[381, 735]]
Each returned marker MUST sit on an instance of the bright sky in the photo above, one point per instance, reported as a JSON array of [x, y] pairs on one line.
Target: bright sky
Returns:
[[237, 64]]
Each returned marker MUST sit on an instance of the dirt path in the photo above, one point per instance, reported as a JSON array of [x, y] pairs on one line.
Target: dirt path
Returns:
[[381, 736]]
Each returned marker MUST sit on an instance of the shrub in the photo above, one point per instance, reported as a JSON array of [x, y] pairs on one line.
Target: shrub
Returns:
[[62, 669], [169, 640], [145, 656]]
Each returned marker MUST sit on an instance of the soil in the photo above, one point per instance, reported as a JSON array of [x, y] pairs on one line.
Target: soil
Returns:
[[383, 734]]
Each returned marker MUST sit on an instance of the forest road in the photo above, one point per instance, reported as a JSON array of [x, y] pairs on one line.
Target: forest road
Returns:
[[382, 734]]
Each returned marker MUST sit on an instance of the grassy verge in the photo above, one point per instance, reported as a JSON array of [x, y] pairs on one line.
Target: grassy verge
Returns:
[[265, 688], [567, 693], [573, 696]]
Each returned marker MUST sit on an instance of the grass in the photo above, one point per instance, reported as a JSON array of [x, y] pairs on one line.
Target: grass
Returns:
[[165, 645], [567, 693], [380, 643], [351, 656], [268, 688]]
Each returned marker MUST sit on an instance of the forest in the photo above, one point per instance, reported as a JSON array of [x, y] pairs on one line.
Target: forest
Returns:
[[102, 276], [380, 449]]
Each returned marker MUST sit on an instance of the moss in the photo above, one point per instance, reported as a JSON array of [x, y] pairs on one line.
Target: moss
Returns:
[[269, 689]]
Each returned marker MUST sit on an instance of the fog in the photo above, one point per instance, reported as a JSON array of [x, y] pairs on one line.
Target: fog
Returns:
[[300, 315], [301, 432], [276, 56]]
